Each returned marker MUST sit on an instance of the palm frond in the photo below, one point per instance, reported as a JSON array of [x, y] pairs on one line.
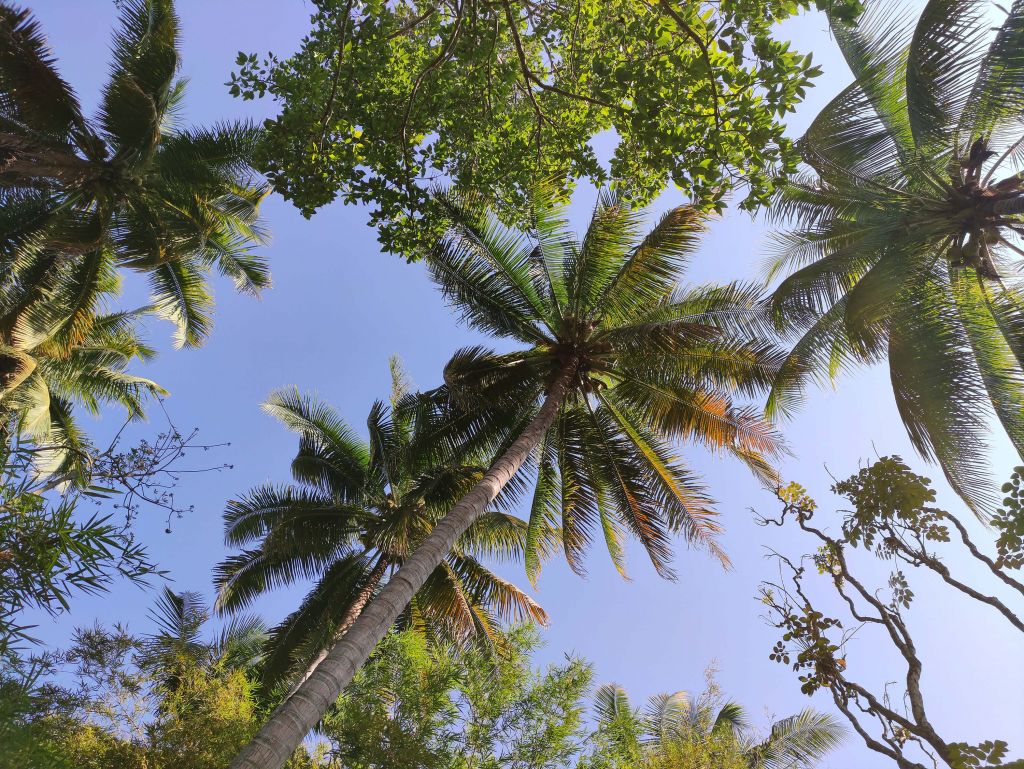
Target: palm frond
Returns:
[[798, 742], [32, 92], [874, 48], [997, 96], [648, 275], [611, 702], [942, 65], [1000, 369], [180, 295], [939, 392], [590, 269], [145, 61], [542, 531], [484, 273], [330, 455]]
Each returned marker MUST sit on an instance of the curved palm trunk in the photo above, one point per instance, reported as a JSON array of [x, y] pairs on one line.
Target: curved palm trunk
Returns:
[[296, 716], [347, 620]]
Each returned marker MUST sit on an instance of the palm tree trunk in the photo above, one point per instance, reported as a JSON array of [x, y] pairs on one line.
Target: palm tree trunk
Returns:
[[296, 716], [347, 620]]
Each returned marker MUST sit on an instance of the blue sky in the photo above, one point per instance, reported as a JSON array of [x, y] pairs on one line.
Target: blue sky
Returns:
[[339, 309]]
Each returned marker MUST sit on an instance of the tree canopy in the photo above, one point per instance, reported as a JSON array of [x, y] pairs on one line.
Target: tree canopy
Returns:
[[82, 197], [382, 99]]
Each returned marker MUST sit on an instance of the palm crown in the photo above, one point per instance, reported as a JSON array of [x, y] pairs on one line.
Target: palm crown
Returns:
[[618, 364], [909, 229], [648, 363], [69, 349], [358, 511], [126, 189], [651, 736]]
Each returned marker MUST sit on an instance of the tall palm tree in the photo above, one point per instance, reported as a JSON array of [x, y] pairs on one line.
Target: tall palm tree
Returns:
[[127, 188], [673, 720], [358, 511], [616, 362], [909, 230]]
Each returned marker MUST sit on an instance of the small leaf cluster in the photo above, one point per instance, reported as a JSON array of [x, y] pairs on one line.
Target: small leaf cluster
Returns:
[[902, 595], [985, 754], [796, 498], [887, 496], [1009, 521], [807, 631]]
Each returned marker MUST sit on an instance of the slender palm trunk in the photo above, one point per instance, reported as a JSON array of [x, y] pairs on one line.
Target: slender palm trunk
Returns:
[[347, 620], [296, 716]]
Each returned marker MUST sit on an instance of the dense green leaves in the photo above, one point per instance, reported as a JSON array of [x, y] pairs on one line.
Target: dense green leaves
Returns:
[[680, 731], [382, 99], [422, 706], [179, 697]]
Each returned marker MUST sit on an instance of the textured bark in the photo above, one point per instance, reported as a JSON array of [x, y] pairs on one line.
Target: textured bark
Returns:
[[347, 620], [296, 716]]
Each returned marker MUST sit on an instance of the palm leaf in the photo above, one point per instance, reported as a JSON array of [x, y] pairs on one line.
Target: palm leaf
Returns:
[[145, 60], [32, 92]]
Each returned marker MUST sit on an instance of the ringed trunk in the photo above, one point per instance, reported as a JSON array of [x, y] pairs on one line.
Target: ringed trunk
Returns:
[[274, 744], [348, 618]]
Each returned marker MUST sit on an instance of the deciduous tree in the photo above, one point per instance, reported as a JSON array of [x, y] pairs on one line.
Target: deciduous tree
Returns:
[[382, 99], [894, 517]]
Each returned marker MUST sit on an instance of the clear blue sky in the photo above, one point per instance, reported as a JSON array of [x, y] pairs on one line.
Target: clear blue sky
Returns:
[[339, 309]]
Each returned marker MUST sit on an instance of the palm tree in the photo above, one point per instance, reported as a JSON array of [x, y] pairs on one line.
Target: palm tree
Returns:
[[671, 723], [126, 189], [64, 348], [358, 512], [908, 230], [617, 363], [179, 648]]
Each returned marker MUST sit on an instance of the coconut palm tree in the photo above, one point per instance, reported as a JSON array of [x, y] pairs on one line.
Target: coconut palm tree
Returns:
[[908, 230], [674, 725], [614, 364], [127, 188], [62, 347], [358, 511]]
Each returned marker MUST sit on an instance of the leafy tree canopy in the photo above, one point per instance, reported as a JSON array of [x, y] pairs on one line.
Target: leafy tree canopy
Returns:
[[179, 697], [383, 98], [416, 705]]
